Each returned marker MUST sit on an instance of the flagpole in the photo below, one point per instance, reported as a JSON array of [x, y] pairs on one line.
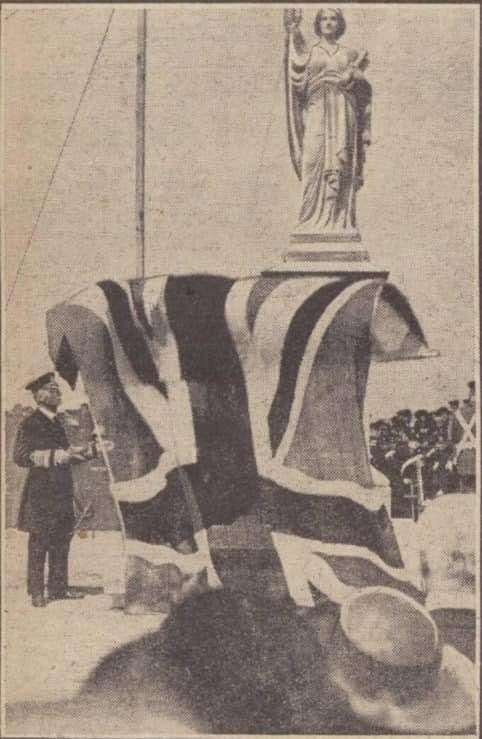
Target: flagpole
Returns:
[[140, 140]]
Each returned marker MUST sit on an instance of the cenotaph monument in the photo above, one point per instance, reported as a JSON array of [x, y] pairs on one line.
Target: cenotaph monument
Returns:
[[235, 405]]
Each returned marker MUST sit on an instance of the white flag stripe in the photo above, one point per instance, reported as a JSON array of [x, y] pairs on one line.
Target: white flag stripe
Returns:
[[146, 399], [301, 566], [260, 352], [154, 409], [308, 358], [298, 482], [166, 359], [313, 546], [179, 436], [142, 489]]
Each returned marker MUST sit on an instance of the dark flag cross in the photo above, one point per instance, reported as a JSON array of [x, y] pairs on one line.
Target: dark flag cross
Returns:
[[234, 408]]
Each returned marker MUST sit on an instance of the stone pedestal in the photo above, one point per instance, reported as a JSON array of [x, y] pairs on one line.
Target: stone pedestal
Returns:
[[313, 256], [333, 251]]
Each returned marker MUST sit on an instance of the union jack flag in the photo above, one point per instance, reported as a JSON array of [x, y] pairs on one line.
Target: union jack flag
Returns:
[[235, 412]]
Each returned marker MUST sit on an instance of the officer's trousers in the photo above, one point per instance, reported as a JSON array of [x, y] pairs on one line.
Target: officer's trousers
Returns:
[[53, 544]]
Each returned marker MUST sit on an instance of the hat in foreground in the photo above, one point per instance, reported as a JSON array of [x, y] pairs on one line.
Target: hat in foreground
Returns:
[[386, 656]]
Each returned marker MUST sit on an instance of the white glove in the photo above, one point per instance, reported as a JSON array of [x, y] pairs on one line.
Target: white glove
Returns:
[[82, 453], [61, 456]]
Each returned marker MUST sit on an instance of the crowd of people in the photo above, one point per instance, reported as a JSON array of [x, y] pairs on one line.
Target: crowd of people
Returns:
[[431, 450]]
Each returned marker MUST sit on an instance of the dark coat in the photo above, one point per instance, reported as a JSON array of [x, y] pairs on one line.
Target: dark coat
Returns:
[[47, 501], [228, 664]]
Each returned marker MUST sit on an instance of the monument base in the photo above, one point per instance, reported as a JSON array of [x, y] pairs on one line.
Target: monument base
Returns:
[[341, 256], [309, 237], [335, 250], [367, 269]]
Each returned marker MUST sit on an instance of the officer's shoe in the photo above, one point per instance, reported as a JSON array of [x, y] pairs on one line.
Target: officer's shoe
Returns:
[[38, 601], [68, 595]]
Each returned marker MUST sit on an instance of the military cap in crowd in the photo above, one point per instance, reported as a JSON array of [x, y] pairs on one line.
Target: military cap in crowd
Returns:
[[442, 411], [40, 382], [421, 413]]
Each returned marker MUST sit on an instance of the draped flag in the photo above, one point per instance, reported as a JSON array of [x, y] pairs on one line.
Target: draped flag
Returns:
[[234, 412]]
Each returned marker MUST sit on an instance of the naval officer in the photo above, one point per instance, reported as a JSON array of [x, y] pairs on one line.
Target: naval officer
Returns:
[[47, 505]]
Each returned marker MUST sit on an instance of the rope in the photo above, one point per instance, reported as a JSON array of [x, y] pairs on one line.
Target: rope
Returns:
[[56, 166], [120, 518]]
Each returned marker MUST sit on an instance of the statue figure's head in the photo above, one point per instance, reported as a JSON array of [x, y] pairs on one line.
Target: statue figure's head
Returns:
[[330, 23]]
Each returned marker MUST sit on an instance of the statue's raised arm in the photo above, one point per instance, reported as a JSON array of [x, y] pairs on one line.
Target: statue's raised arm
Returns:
[[296, 58], [328, 112], [292, 19]]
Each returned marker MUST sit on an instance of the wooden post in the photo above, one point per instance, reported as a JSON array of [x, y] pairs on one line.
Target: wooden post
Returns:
[[140, 140]]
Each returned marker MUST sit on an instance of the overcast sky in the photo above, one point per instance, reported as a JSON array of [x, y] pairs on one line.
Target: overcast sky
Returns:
[[221, 193]]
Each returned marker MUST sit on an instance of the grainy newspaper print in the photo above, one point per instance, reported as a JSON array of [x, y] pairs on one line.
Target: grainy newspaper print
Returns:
[[240, 369]]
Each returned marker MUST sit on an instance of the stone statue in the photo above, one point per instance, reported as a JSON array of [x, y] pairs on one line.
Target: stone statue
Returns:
[[328, 106]]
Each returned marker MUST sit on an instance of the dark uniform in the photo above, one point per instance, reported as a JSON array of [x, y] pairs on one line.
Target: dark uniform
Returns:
[[47, 506]]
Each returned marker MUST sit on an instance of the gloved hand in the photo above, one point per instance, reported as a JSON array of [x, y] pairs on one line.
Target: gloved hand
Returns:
[[81, 453], [62, 456]]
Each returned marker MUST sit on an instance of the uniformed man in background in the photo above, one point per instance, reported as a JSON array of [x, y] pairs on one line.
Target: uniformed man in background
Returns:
[[47, 505]]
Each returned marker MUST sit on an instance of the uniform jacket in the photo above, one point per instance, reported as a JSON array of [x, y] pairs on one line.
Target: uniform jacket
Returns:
[[47, 500]]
